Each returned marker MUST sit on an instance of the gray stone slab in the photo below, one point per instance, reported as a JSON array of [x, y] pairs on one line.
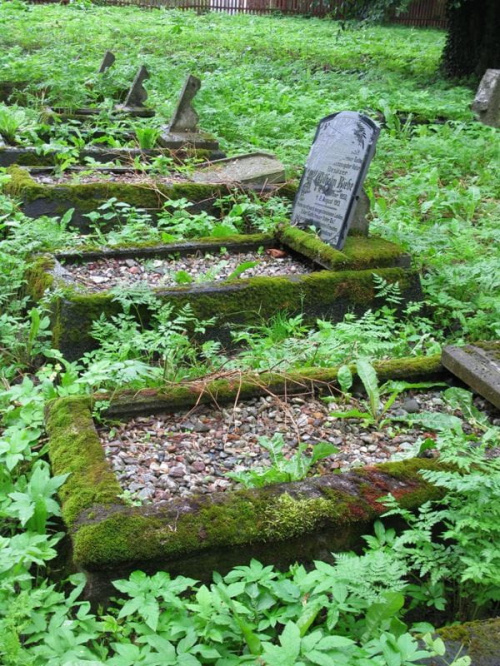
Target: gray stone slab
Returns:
[[257, 168], [177, 140], [478, 366], [334, 173], [487, 101]]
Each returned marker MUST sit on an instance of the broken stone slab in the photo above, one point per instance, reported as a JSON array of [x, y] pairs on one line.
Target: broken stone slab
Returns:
[[486, 104], [138, 94], [107, 62], [256, 168], [478, 366]]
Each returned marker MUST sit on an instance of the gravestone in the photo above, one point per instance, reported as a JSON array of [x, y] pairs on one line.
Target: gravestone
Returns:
[[333, 177], [107, 62], [487, 101], [137, 94], [183, 131], [185, 118]]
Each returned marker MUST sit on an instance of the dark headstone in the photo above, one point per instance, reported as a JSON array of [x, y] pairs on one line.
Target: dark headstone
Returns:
[[107, 62], [478, 366], [137, 94], [185, 118], [334, 173], [487, 101]]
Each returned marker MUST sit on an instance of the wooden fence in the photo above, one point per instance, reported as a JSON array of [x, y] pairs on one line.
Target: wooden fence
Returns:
[[421, 13]]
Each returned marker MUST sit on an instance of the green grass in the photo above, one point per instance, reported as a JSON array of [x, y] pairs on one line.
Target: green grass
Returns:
[[266, 83]]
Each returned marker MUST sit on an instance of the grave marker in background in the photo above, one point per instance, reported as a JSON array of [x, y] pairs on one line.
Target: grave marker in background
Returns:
[[185, 117], [107, 62], [487, 101], [137, 94], [334, 174], [183, 131]]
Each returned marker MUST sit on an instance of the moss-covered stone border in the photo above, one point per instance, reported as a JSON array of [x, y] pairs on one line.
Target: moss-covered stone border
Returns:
[[40, 199], [346, 285], [283, 521]]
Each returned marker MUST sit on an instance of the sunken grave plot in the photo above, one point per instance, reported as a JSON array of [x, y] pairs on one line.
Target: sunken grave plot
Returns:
[[191, 526], [193, 268], [44, 192], [250, 278], [150, 490], [160, 457]]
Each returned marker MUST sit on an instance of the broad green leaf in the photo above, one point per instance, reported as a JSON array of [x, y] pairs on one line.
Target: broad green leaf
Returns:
[[368, 376]]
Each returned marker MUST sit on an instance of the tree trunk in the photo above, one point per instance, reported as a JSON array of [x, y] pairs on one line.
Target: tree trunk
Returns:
[[473, 43]]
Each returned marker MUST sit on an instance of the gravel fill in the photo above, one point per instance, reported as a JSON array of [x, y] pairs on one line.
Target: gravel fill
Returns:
[[161, 457], [107, 273]]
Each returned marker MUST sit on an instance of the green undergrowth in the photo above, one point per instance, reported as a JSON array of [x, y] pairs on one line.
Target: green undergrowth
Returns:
[[266, 83]]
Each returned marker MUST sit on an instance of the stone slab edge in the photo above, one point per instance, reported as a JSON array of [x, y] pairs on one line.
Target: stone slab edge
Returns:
[[472, 366]]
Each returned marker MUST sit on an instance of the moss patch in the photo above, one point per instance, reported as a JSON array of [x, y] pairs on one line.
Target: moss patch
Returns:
[[481, 638], [75, 448], [359, 252], [272, 514]]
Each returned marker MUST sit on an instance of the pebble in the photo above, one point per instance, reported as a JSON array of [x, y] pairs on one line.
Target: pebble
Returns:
[[411, 406], [158, 458]]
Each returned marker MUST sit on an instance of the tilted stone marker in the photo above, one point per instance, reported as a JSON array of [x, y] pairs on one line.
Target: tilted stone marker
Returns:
[[137, 94], [487, 101], [183, 128], [107, 62], [185, 118], [478, 366], [256, 168], [334, 173]]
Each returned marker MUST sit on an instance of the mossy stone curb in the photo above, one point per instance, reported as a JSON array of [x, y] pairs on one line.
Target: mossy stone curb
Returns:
[[279, 523], [343, 282], [39, 199], [479, 640]]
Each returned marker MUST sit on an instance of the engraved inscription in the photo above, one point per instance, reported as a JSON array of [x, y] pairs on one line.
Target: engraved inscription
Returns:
[[334, 174]]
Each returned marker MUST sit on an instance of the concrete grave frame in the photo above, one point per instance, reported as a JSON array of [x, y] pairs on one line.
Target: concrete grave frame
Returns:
[[341, 282], [278, 524], [38, 199]]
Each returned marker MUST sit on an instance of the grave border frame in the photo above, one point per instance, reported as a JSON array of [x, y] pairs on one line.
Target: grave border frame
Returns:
[[110, 539]]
